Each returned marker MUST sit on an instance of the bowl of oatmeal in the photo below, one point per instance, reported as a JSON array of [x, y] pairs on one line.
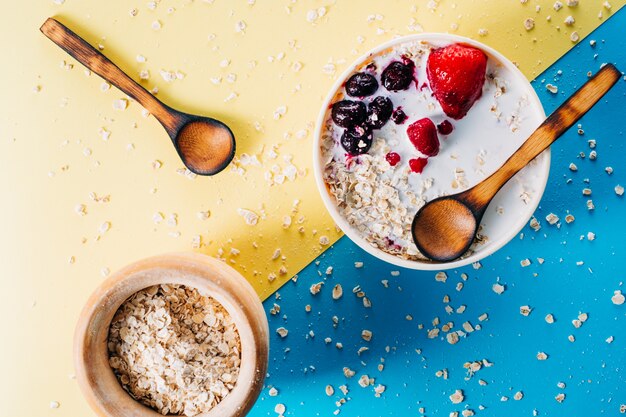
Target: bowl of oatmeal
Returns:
[[178, 334], [421, 117]]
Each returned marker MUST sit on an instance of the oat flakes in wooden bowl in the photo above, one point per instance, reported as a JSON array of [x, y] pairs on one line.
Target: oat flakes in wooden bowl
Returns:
[[178, 334]]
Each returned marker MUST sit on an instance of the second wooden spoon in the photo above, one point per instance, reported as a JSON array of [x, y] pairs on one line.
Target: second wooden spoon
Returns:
[[444, 228], [205, 145]]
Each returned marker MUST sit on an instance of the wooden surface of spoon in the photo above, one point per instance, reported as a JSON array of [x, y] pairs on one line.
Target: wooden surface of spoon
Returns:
[[444, 228], [205, 145]]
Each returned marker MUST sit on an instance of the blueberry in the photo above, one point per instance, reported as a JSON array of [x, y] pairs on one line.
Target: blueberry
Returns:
[[346, 113], [399, 116], [379, 111], [397, 76], [357, 140], [361, 84], [445, 127]]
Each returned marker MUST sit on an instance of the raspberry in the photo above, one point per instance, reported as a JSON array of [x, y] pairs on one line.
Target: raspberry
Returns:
[[423, 135], [417, 165], [393, 158]]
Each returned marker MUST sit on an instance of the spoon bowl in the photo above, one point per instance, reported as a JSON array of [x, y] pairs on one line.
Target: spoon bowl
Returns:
[[444, 228], [205, 145]]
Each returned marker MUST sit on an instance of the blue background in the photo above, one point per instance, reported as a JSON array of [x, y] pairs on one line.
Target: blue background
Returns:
[[301, 366]]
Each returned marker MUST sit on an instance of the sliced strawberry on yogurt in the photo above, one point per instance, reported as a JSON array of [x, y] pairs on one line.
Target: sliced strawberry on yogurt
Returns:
[[456, 74]]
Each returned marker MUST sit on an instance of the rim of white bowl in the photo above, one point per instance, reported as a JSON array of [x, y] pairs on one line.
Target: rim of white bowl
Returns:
[[353, 234]]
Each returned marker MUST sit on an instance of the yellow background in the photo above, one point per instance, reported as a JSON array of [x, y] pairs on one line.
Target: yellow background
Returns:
[[46, 134]]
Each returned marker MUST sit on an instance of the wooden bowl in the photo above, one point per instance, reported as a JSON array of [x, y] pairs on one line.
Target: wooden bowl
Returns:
[[212, 277]]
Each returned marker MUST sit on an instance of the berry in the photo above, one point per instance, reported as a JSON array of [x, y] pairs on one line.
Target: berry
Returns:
[[398, 116], [417, 165], [379, 111], [445, 127], [346, 113], [393, 158], [397, 76], [361, 84], [456, 74], [356, 140], [423, 135]]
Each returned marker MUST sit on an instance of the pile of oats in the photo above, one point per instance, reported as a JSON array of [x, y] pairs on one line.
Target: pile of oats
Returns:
[[174, 349]]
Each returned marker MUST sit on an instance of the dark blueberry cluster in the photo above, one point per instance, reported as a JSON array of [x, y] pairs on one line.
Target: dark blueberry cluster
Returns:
[[358, 118]]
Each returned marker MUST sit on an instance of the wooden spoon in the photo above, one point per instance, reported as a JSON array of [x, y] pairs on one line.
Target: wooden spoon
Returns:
[[444, 228], [205, 145]]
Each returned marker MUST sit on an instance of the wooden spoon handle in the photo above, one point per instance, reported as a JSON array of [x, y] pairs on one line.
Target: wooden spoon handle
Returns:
[[549, 131], [87, 55]]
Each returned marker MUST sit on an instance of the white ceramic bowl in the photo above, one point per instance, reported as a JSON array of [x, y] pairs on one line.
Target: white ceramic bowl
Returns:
[[504, 228]]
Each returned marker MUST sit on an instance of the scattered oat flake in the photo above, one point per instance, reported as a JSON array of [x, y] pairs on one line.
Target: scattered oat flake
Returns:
[[120, 104], [280, 409], [498, 288], [618, 298], [337, 292], [560, 397], [324, 240], [552, 88], [525, 310], [552, 218], [282, 332], [518, 395], [441, 276], [619, 190], [104, 227], [250, 217], [549, 318], [315, 288], [452, 338], [542, 356], [529, 23], [457, 397]]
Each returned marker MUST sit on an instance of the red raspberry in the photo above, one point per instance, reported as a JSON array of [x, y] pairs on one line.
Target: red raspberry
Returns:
[[393, 158], [417, 165], [423, 135]]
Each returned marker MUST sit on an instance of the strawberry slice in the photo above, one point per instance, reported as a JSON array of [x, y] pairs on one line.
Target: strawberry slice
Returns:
[[423, 135], [456, 74]]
